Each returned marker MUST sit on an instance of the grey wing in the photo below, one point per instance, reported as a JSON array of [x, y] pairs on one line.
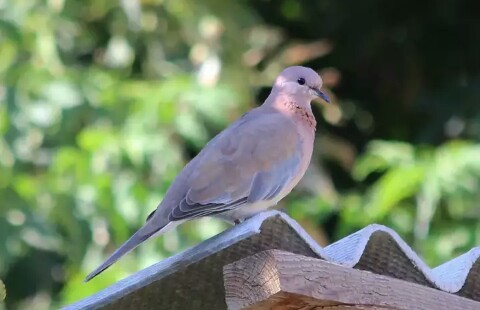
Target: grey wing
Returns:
[[244, 167]]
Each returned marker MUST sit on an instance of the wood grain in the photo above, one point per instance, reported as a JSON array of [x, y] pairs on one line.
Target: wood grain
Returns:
[[280, 280]]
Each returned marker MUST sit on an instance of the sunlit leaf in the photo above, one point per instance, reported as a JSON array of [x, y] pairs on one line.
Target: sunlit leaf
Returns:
[[63, 94], [382, 155], [3, 291], [91, 139], [396, 185]]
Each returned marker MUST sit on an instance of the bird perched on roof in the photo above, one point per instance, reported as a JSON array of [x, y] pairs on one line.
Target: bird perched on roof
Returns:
[[245, 169]]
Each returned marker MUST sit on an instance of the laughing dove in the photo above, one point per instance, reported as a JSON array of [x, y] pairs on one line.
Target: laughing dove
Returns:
[[245, 169]]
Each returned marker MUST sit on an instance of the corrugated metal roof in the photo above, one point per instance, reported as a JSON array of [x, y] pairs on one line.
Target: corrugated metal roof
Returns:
[[193, 279]]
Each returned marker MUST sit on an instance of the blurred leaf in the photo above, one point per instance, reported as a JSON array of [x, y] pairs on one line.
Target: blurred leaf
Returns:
[[382, 155], [392, 188], [4, 121], [3, 292], [63, 94], [92, 139]]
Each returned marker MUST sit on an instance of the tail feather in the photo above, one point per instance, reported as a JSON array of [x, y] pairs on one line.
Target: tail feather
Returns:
[[128, 246]]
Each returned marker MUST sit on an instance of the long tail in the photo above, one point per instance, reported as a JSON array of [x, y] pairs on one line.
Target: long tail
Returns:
[[140, 236]]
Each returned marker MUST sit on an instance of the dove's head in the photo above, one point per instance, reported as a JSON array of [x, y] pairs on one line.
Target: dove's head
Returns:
[[300, 83]]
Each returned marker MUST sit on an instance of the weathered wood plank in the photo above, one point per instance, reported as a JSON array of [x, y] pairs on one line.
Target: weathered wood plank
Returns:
[[279, 280]]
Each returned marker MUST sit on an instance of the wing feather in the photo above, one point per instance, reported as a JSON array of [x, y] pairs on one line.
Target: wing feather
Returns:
[[249, 162]]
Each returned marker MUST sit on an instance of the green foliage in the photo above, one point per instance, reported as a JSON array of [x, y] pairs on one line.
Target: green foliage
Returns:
[[422, 179], [99, 107], [3, 292], [103, 102]]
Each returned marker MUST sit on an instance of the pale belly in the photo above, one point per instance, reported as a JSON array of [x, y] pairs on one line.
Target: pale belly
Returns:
[[249, 210], [246, 211]]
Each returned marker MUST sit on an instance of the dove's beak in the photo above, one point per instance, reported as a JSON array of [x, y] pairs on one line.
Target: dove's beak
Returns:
[[321, 94]]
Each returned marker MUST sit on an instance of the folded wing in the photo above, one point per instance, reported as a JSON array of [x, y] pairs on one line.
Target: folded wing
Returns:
[[252, 161]]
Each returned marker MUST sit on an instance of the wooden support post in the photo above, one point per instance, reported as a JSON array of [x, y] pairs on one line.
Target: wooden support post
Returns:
[[280, 280]]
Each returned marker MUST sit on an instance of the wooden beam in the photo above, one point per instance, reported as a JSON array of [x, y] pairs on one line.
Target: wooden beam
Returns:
[[280, 280]]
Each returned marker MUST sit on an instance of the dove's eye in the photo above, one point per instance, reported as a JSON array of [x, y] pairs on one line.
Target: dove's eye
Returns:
[[301, 81]]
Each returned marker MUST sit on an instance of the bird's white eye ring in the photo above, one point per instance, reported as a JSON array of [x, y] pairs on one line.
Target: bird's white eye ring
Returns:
[[301, 81]]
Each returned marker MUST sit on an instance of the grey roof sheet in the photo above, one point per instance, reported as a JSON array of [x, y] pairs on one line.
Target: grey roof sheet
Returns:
[[193, 279]]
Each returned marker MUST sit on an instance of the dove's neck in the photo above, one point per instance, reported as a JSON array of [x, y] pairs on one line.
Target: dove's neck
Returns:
[[297, 108]]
